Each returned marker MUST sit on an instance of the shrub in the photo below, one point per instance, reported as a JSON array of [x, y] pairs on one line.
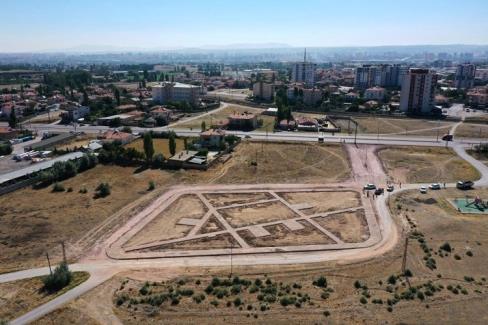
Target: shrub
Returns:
[[392, 279], [83, 190], [408, 273], [469, 253], [237, 302], [420, 295], [58, 187], [69, 190], [215, 282], [258, 282], [102, 190], [326, 313], [60, 278], [457, 257], [214, 303], [321, 282], [144, 290], [151, 186], [363, 300], [287, 300], [357, 284], [446, 247], [209, 289], [199, 298], [468, 278]]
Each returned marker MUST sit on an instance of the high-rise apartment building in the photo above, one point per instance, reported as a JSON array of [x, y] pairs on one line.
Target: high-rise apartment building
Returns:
[[384, 75], [465, 74], [418, 91], [304, 72]]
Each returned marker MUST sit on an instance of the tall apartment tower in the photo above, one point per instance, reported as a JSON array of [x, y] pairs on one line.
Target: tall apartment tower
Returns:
[[304, 72], [418, 91], [465, 74], [384, 75]]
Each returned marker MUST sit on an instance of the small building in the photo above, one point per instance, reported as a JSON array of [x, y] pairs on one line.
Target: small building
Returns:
[[116, 135], [371, 104], [286, 125], [351, 96], [212, 138], [74, 113], [307, 124], [244, 121], [271, 111], [375, 93], [161, 113], [180, 158], [7, 133]]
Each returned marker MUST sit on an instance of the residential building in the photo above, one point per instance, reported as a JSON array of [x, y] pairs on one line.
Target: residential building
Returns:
[[385, 75], [244, 121], [75, 112], [304, 72], [478, 97], [212, 138], [262, 90], [116, 135], [418, 91], [375, 93], [176, 92], [309, 96], [464, 77], [481, 74], [161, 113]]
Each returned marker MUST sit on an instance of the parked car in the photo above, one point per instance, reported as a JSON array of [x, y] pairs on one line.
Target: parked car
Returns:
[[390, 188], [435, 186], [464, 185], [379, 191], [369, 187], [423, 189], [447, 137]]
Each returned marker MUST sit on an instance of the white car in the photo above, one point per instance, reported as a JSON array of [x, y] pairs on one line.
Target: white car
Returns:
[[423, 189], [435, 186]]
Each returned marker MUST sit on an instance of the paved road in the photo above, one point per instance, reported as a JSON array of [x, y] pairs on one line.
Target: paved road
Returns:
[[38, 166]]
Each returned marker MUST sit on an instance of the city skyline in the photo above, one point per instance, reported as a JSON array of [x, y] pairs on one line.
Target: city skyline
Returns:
[[147, 25]]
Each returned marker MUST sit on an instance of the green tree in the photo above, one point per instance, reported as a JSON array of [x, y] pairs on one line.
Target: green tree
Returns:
[[57, 280], [172, 143], [117, 95], [12, 121], [203, 126], [148, 146]]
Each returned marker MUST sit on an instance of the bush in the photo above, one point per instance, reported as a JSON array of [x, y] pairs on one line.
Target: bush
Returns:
[[214, 303], [469, 253], [446, 247], [5, 149], [420, 295], [363, 300], [151, 186], [321, 282], [60, 278], [326, 313], [408, 273], [58, 187], [457, 257], [357, 284], [392, 279], [83, 190], [102, 190], [237, 302]]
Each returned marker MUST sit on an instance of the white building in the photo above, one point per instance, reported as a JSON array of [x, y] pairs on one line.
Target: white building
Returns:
[[464, 78], [304, 72], [375, 93], [262, 90], [418, 92], [176, 92]]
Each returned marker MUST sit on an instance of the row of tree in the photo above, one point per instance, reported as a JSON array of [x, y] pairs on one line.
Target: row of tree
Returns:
[[62, 170]]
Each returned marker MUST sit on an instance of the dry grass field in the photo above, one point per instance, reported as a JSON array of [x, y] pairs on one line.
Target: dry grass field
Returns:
[[468, 130], [224, 199], [268, 121], [424, 165], [35, 221], [323, 201], [350, 227], [18, 297], [285, 163], [257, 213], [214, 242], [160, 146], [76, 143], [397, 126], [370, 292]]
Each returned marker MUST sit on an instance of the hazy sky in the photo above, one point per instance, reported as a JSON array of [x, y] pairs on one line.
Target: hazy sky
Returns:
[[30, 25]]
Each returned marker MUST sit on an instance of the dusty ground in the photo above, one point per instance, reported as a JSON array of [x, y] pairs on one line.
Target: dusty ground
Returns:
[[323, 201], [350, 227], [258, 213], [35, 221], [449, 294], [424, 165], [18, 297], [76, 143], [285, 163], [468, 130], [214, 242], [165, 226], [418, 127], [268, 121], [224, 199], [282, 236], [160, 146]]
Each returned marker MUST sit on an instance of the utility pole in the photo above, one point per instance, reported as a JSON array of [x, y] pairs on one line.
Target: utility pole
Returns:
[[438, 125], [49, 263], [231, 264], [356, 133], [404, 261], [64, 252]]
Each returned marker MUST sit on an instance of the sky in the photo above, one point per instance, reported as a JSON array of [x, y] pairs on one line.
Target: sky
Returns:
[[42, 25]]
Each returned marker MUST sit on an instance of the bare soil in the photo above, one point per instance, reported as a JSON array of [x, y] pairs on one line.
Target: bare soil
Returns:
[[224, 199], [212, 225], [350, 227], [160, 146], [469, 130], [323, 201], [423, 164], [282, 236], [256, 214], [215, 242], [165, 226]]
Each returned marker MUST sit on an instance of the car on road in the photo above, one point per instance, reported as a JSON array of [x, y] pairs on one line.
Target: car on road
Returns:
[[369, 187], [390, 188], [379, 191], [435, 186], [423, 189], [464, 185], [447, 137]]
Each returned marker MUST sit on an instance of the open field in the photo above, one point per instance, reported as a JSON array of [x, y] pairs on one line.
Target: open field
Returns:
[[45, 117], [370, 292], [479, 156], [18, 297], [160, 146], [165, 225], [424, 165], [468, 130], [350, 227], [321, 202], [35, 221], [76, 143], [255, 214], [268, 121], [398, 126], [286, 163], [223, 199]]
